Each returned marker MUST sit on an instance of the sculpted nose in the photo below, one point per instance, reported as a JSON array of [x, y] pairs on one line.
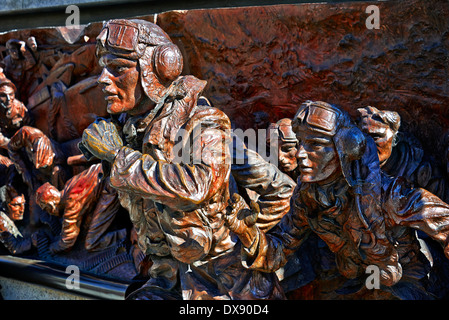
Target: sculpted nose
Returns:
[[301, 153], [105, 77]]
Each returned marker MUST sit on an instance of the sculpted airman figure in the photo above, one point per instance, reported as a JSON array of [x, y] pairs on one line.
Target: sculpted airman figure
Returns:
[[13, 113], [84, 194], [286, 147], [383, 126], [364, 216], [12, 211], [176, 207], [401, 154], [18, 66], [38, 160]]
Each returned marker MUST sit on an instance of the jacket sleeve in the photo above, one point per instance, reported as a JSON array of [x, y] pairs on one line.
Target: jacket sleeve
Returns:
[[274, 188], [179, 185], [3, 141], [79, 196], [271, 250], [419, 209], [16, 143], [15, 245], [182, 190]]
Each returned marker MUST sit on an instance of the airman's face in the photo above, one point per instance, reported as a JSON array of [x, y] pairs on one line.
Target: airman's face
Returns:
[[6, 95], [287, 156], [317, 157], [121, 80], [14, 53], [16, 207]]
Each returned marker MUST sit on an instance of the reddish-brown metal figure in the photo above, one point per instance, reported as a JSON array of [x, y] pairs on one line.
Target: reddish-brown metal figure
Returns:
[[84, 194], [401, 154], [12, 209], [38, 160], [286, 146], [69, 98], [177, 208], [13, 113], [10, 236], [365, 217], [20, 66]]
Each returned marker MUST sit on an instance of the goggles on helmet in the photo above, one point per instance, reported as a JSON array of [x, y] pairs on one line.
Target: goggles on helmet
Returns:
[[125, 37], [319, 116]]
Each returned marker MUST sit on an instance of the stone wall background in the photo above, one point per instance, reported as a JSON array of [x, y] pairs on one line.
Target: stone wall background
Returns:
[[272, 58]]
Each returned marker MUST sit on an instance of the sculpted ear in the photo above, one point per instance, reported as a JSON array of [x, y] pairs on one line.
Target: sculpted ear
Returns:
[[151, 85], [351, 145], [168, 62]]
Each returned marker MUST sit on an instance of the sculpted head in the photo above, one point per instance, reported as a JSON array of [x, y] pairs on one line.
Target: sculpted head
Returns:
[[286, 144], [38, 147], [139, 62], [48, 198], [15, 204], [7, 93], [13, 47], [327, 141]]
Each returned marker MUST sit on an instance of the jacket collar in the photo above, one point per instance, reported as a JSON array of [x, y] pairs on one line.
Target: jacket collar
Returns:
[[164, 120]]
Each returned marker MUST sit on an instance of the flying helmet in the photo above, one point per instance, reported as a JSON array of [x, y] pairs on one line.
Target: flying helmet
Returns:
[[160, 59]]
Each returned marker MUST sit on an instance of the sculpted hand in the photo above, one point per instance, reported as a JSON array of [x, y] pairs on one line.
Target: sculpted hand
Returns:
[[102, 140], [242, 221]]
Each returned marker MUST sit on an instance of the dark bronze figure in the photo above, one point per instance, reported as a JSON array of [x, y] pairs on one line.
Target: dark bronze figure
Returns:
[[177, 208], [286, 145], [13, 113], [85, 194], [13, 209], [164, 193], [400, 154], [365, 217], [38, 160]]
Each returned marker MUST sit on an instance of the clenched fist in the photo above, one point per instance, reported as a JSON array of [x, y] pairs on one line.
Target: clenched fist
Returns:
[[102, 140]]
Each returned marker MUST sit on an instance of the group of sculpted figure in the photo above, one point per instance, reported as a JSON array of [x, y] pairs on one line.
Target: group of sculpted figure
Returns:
[[223, 227]]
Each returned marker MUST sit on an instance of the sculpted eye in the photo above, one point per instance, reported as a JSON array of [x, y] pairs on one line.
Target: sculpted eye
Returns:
[[377, 135], [119, 69], [122, 69]]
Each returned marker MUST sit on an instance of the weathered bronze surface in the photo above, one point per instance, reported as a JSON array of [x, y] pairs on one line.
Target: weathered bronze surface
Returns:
[[123, 151]]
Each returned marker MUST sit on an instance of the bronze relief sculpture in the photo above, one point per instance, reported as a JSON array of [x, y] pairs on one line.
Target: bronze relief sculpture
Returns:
[[177, 208], [149, 182], [365, 217], [14, 114]]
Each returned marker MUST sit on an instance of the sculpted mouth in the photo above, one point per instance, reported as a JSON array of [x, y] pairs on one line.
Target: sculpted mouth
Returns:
[[305, 169], [111, 97], [286, 165], [109, 94]]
